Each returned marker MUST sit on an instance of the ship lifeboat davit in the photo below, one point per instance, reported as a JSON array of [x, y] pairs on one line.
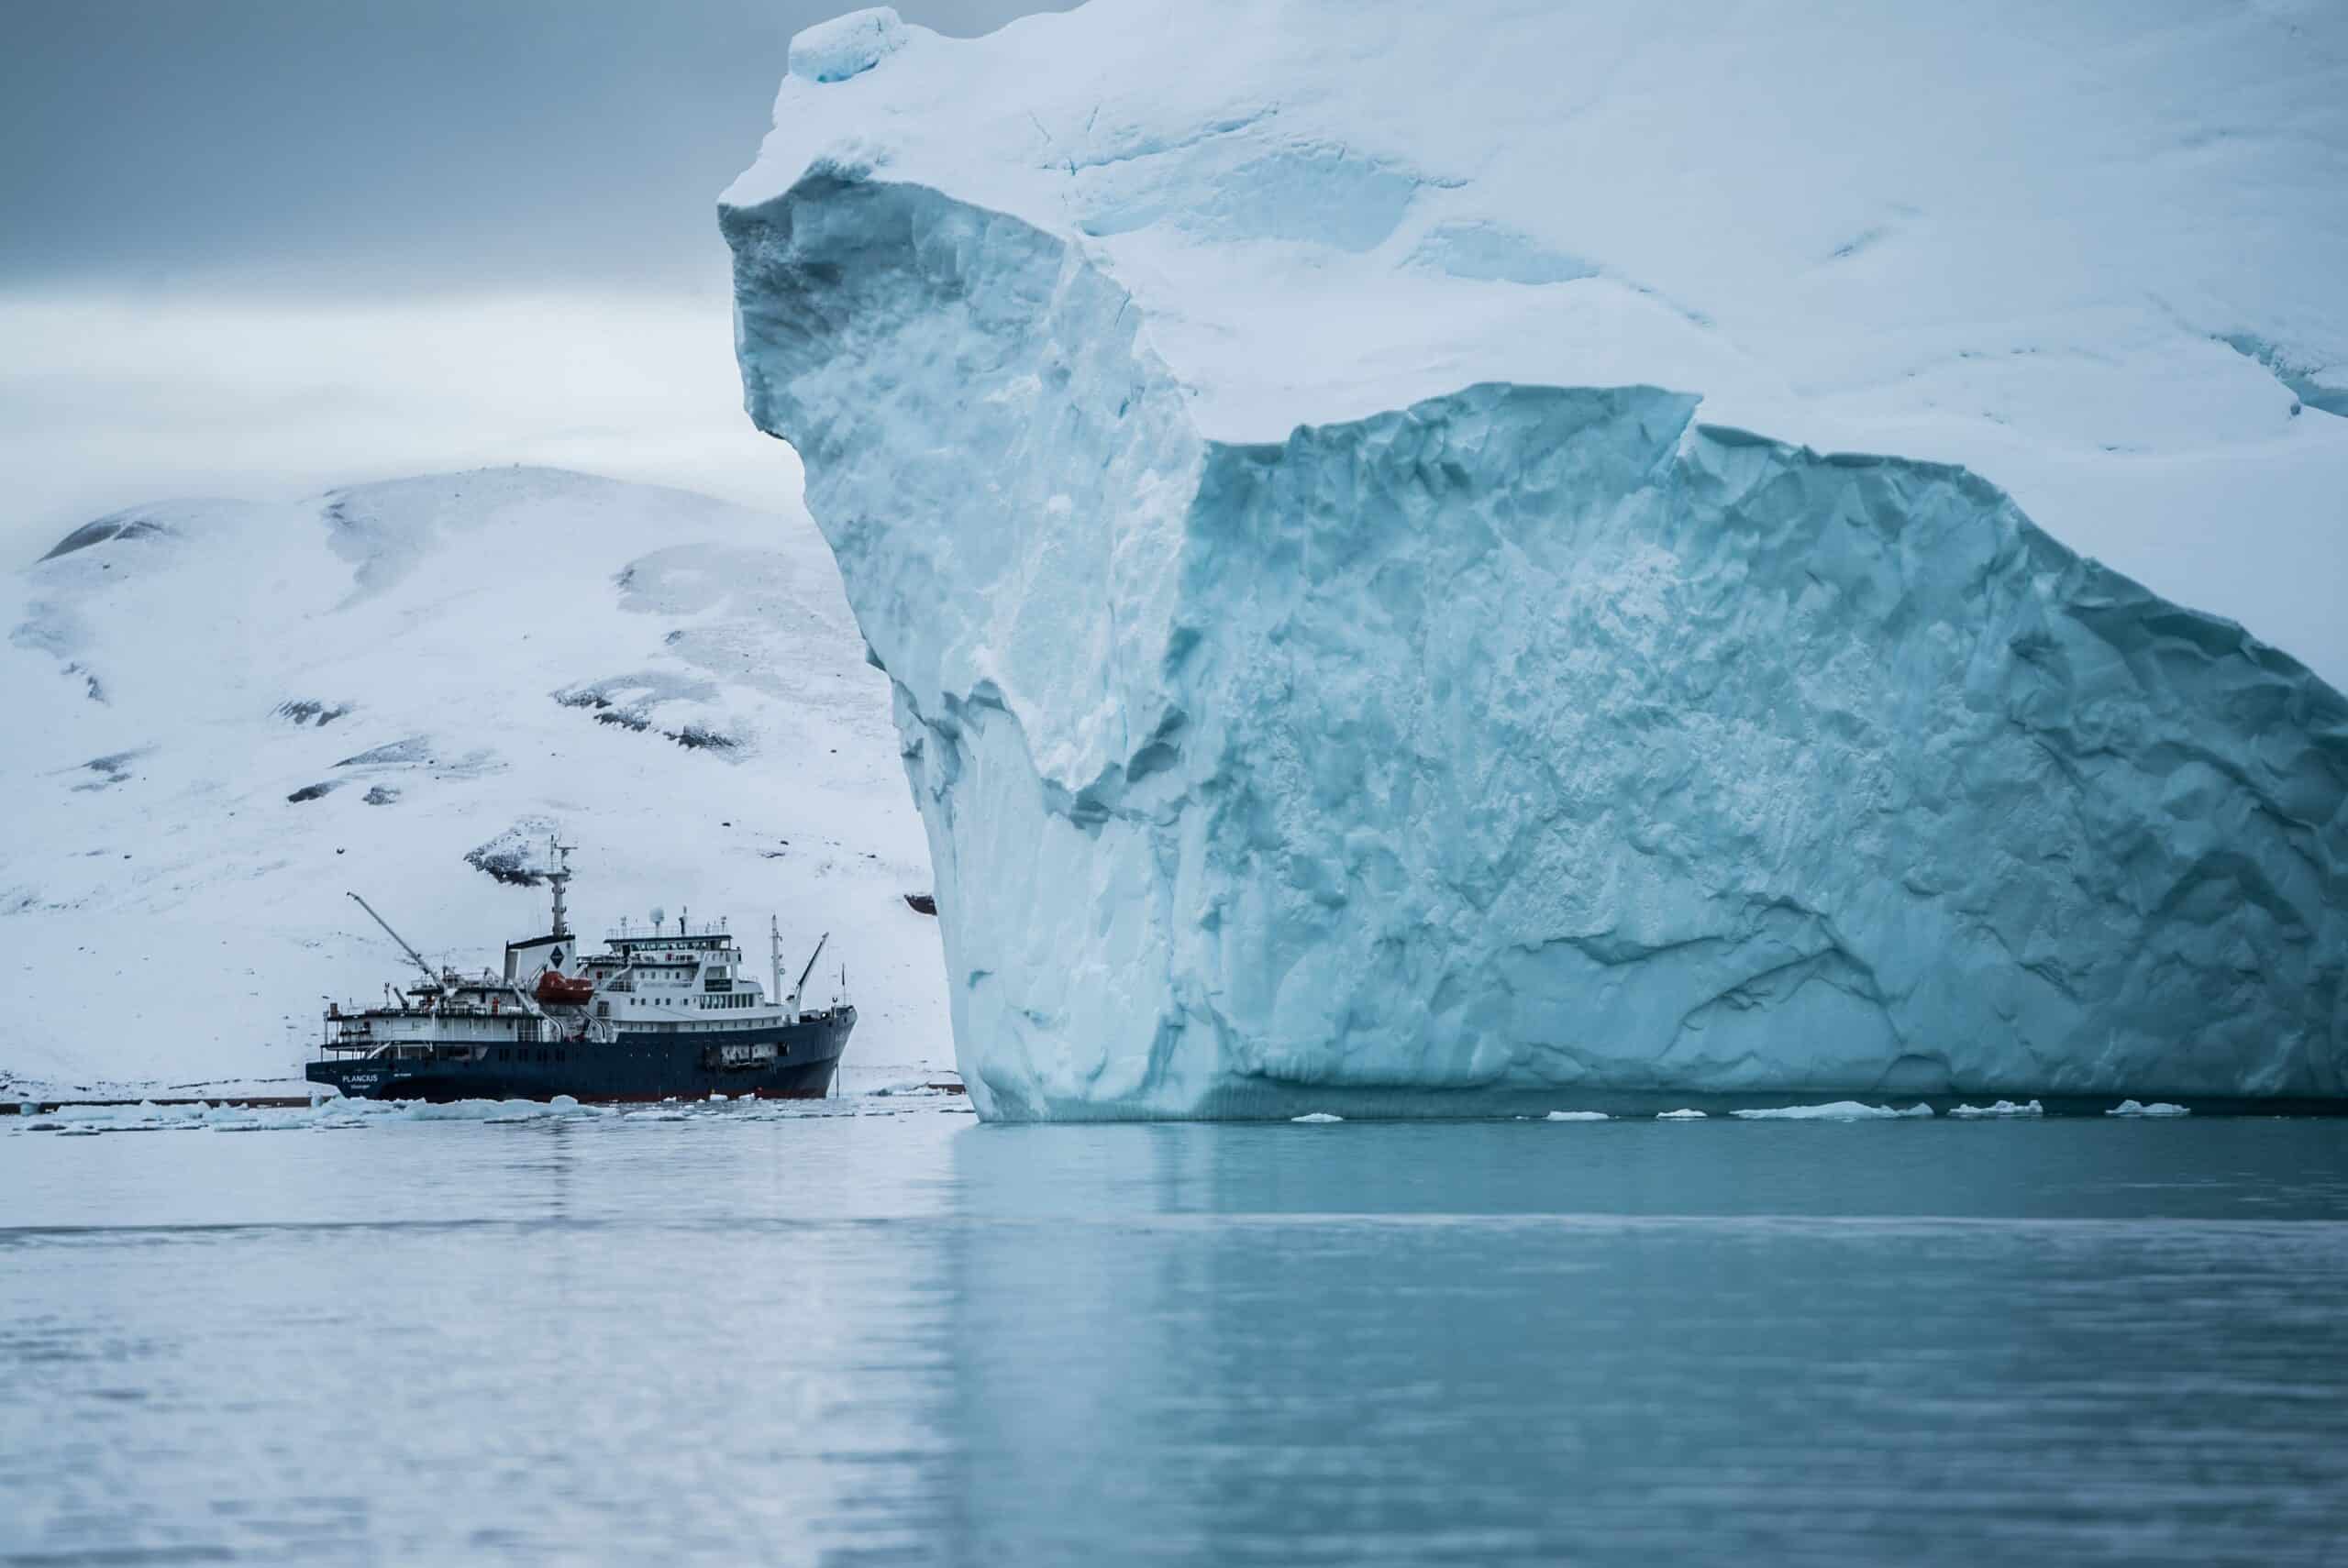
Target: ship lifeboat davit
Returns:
[[557, 987]]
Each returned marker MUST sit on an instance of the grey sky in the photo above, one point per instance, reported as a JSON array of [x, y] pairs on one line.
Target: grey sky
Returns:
[[261, 247], [404, 144]]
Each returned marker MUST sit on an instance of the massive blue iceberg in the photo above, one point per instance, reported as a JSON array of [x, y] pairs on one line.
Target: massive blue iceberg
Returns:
[[1305, 716]]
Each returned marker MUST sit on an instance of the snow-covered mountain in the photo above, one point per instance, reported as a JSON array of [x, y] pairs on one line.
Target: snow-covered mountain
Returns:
[[1350, 496], [223, 715]]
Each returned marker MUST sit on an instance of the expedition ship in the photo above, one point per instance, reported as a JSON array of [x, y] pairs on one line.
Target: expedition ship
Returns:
[[664, 1012]]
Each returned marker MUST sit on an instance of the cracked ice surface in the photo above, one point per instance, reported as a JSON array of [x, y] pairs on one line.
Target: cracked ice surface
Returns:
[[1314, 687]]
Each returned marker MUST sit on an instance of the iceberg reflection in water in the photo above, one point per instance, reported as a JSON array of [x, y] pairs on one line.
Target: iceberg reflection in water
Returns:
[[873, 1326]]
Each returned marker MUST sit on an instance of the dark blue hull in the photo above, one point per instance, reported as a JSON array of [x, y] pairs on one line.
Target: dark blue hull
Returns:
[[637, 1067]]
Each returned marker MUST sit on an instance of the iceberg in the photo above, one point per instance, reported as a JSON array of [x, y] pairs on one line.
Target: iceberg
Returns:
[[1370, 622]]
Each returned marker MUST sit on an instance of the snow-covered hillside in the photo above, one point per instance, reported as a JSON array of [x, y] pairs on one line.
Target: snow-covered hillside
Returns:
[[222, 715], [1337, 486]]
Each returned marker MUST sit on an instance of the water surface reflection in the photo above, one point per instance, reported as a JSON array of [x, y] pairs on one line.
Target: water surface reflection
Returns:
[[872, 1335]]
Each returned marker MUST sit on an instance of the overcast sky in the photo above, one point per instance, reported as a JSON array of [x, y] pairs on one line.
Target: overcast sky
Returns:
[[262, 246]]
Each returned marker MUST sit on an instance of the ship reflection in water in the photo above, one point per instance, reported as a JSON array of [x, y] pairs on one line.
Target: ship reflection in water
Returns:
[[871, 1327]]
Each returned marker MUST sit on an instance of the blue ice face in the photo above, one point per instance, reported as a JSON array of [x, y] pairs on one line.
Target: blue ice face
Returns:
[[1524, 737]]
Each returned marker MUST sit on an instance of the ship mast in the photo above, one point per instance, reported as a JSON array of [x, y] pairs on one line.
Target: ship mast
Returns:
[[558, 855]]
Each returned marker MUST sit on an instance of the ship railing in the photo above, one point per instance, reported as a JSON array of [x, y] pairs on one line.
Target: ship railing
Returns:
[[657, 933]]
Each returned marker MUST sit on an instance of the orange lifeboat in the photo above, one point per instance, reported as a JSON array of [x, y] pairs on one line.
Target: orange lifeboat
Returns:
[[555, 987]]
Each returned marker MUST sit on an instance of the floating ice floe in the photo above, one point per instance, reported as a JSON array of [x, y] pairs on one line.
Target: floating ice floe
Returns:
[[2136, 1108], [499, 1110], [333, 1113], [149, 1117], [1840, 1110], [326, 1113], [1683, 1114], [1577, 1116], [2004, 1107], [1317, 1116]]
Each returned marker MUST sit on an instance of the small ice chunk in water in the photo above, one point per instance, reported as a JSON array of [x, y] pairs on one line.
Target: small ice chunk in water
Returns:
[[1840, 1110], [1579, 1116], [2003, 1108], [1317, 1116], [2158, 1107], [1682, 1114]]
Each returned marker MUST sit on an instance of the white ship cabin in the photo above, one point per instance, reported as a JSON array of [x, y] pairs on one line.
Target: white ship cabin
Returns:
[[684, 974], [668, 977]]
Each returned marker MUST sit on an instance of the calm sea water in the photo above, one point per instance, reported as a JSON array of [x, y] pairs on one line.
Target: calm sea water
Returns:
[[876, 1331]]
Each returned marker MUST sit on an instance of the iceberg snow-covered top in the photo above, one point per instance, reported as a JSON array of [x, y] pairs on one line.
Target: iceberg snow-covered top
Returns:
[[2088, 252], [840, 49]]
